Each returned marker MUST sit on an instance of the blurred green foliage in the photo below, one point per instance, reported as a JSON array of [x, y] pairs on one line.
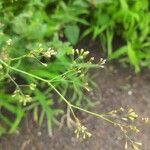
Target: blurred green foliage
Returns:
[[28, 22], [128, 20]]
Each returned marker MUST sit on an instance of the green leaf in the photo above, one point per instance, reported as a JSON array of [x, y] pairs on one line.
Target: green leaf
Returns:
[[47, 110], [119, 52], [12, 107], [72, 33], [133, 57]]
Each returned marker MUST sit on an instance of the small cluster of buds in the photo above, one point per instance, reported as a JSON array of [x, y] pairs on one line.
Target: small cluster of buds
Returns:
[[36, 53], [102, 62], [9, 42], [81, 131], [145, 120], [135, 145], [86, 86], [125, 115], [32, 86], [82, 52], [131, 115], [41, 51], [50, 52], [4, 55], [24, 99]]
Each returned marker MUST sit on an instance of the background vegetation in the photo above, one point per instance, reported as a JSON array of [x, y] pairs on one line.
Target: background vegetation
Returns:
[[105, 20]]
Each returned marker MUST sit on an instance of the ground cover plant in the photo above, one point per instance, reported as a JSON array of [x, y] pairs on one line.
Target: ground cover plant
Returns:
[[38, 71], [130, 20]]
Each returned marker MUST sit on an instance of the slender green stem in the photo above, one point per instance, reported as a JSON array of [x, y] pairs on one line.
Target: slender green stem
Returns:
[[17, 86], [60, 75], [61, 96], [18, 58], [94, 114]]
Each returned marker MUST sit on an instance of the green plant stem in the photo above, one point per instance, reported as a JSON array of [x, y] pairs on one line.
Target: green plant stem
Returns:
[[17, 86], [63, 98], [18, 58]]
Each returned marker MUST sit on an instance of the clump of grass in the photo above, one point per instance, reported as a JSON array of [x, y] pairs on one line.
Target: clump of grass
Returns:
[[128, 20]]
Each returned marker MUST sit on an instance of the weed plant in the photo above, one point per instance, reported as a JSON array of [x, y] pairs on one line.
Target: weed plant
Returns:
[[40, 79], [41, 74], [53, 63]]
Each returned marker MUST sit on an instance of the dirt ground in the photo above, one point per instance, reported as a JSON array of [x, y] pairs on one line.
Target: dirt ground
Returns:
[[118, 87]]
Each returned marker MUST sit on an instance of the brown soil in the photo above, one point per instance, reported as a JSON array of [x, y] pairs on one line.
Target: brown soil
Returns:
[[118, 87]]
